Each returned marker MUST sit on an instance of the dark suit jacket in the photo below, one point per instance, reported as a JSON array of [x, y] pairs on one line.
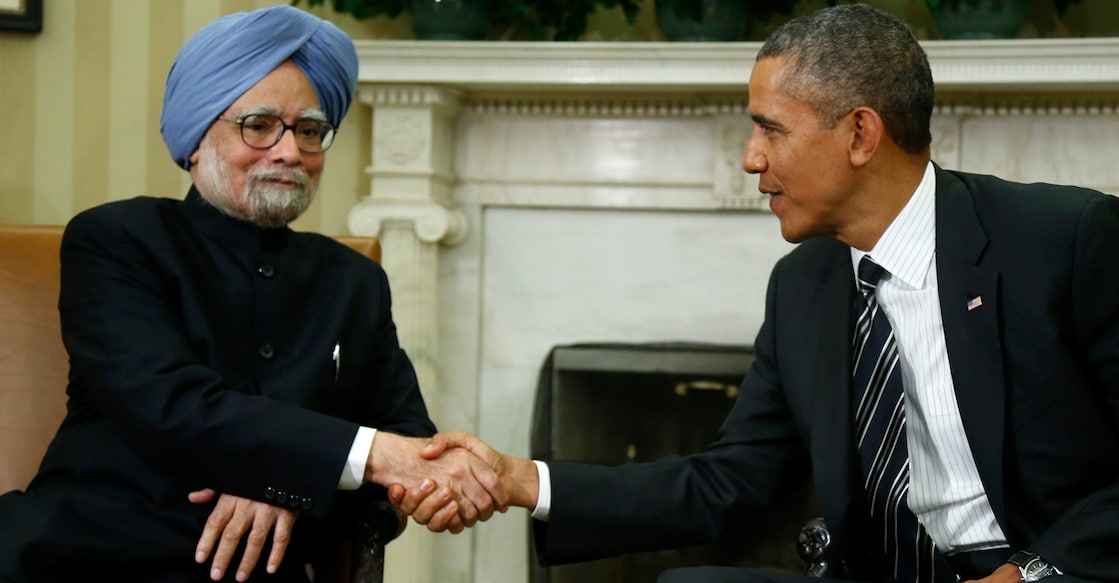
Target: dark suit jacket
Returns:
[[201, 356], [1036, 374]]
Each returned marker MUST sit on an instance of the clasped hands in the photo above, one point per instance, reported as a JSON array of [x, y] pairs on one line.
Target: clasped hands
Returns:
[[517, 479], [447, 483]]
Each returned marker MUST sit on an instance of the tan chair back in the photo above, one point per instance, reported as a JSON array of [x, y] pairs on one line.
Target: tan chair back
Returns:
[[33, 362], [367, 246]]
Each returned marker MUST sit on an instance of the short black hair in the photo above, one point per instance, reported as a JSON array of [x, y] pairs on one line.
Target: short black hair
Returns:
[[854, 55]]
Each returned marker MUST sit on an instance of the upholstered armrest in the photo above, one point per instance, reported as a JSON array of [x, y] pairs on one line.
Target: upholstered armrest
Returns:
[[812, 547], [355, 553], [380, 523]]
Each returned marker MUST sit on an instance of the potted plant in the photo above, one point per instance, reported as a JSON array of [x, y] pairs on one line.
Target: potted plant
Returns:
[[714, 20], [561, 20], [983, 19]]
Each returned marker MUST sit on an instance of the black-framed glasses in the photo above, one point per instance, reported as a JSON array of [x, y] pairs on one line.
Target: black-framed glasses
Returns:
[[262, 131]]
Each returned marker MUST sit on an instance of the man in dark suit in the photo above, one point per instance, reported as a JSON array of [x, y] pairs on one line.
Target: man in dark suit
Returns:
[[989, 308], [215, 354]]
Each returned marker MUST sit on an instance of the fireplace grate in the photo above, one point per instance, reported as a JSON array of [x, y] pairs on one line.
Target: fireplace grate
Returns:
[[617, 403]]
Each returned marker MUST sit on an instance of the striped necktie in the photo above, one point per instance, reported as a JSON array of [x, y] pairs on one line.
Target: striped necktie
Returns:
[[910, 554]]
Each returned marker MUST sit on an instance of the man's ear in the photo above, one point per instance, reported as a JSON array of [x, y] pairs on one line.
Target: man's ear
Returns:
[[194, 157], [867, 133]]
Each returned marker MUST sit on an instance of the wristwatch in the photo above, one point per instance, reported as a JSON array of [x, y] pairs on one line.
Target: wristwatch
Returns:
[[1032, 566]]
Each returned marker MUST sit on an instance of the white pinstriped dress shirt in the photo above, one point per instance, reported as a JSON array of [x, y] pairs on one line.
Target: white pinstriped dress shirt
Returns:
[[944, 491]]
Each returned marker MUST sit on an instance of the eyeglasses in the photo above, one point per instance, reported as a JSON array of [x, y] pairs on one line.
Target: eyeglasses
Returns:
[[262, 131]]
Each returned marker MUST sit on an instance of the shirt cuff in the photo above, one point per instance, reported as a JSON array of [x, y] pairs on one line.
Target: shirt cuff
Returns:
[[544, 498], [353, 474]]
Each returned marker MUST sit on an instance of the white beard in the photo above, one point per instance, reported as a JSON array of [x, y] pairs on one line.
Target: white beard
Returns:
[[260, 202]]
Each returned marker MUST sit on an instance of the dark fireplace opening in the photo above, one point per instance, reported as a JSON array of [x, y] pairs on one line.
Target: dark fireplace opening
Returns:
[[619, 403]]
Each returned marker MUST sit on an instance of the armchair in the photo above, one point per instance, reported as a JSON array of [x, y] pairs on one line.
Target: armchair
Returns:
[[33, 371]]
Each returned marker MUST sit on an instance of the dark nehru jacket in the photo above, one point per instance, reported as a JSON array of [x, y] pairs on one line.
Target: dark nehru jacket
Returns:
[[203, 354]]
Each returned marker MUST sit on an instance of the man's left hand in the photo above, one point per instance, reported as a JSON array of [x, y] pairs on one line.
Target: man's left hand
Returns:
[[230, 519]]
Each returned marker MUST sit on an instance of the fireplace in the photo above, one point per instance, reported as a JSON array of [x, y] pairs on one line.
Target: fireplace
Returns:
[[618, 403]]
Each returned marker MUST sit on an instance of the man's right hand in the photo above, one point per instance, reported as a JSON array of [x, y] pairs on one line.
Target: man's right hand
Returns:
[[518, 475], [466, 487], [231, 519]]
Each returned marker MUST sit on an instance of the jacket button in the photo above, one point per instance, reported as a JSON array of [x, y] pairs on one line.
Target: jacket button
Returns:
[[266, 270], [265, 351], [269, 493], [294, 501], [307, 505], [281, 497]]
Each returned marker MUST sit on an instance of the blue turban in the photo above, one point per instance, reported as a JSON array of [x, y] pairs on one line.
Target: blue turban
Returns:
[[233, 53]]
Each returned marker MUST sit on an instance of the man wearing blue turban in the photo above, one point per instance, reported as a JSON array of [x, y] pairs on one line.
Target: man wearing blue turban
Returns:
[[223, 366]]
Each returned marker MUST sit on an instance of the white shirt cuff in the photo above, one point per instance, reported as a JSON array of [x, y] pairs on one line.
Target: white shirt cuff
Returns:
[[353, 474], [544, 498]]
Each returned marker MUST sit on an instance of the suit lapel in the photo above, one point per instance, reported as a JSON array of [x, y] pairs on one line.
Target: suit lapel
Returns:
[[969, 306]]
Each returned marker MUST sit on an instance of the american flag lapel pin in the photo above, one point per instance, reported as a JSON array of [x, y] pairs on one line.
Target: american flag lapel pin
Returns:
[[336, 356], [974, 303]]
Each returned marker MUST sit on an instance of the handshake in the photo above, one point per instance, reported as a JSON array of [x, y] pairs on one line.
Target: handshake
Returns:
[[451, 481]]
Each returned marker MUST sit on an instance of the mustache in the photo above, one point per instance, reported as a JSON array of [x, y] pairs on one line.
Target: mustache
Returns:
[[296, 176]]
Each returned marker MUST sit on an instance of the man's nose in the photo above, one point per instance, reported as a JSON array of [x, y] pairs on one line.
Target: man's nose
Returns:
[[287, 148], [754, 161]]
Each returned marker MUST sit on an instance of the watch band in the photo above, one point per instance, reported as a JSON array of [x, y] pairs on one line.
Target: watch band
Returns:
[[1032, 566]]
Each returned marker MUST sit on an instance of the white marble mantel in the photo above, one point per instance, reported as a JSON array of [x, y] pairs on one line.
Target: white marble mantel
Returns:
[[534, 194], [1060, 65]]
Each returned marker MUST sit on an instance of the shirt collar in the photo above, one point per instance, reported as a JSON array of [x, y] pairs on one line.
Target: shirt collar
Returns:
[[907, 247]]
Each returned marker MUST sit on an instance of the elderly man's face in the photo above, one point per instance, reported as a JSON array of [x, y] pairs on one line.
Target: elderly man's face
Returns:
[[267, 187]]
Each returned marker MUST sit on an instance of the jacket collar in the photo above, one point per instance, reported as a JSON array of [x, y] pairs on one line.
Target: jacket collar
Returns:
[[970, 309], [232, 234]]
